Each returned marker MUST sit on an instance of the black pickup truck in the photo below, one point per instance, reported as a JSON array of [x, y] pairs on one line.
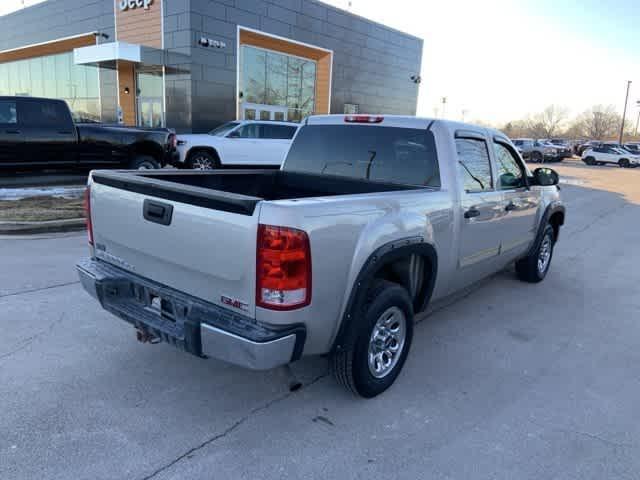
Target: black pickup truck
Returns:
[[39, 133]]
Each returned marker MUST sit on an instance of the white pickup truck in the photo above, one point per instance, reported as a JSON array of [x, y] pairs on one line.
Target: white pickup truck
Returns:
[[369, 219]]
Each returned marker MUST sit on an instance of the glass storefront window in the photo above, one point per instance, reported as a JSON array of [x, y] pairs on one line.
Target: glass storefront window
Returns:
[[55, 76], [272, 78]]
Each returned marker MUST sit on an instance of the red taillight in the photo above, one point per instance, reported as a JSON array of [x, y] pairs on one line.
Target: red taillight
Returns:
[[363, 119], [283, 270], [87, 214]]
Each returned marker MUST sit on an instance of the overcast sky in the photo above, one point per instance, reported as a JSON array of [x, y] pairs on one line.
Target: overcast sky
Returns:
[[502, 59]]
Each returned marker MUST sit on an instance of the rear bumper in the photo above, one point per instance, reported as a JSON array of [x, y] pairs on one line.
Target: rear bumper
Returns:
[[190, 324]]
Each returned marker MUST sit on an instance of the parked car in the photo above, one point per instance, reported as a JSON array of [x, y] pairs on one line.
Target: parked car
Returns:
[[610, 154], [40, 133], [538, 151], [633, 147], [580, 148], [369, 220], [238, 144]]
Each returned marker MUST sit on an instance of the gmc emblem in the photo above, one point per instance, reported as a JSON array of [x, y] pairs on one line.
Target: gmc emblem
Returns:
[[234, 303]]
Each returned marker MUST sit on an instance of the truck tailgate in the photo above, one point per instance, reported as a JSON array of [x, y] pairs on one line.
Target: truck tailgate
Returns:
[[203, 251]]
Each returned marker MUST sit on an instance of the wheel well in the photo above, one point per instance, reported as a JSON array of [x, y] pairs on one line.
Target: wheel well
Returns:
[[413, 272], [147, 148], [556, 221], [209, 150]]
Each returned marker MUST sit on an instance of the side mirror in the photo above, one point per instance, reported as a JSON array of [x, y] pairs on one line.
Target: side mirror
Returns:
[[546, 177]]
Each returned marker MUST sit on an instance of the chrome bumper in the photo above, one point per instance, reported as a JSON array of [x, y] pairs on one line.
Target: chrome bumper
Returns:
[[198, 327]]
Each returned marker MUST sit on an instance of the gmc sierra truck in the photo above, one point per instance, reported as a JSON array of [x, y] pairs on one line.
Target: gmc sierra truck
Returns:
[[369, 219]]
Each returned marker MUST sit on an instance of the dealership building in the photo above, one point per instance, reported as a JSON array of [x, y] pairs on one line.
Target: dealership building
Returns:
[[193, 64]]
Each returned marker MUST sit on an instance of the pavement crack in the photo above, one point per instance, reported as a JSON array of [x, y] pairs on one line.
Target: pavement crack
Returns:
[[29, 340], [33, 290], [584, 434], [234, 426]]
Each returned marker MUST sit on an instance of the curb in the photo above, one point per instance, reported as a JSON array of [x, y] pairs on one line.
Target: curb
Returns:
[[50, 226]]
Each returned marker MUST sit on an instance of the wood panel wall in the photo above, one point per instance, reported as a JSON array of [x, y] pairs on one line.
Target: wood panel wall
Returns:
[[127, 78], [323, 58], [52, 48], [140, 26]]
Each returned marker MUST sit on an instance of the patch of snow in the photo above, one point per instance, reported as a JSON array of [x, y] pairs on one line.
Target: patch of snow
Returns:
[[57, 192]]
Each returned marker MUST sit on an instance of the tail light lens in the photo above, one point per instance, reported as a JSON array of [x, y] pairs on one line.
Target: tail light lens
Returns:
[[87, 214], [283, 273]]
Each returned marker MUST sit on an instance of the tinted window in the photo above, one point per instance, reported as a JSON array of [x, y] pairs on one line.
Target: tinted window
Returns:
[[222, 130], [8, 112], [518, 142], [45, 114], [386, 154], [473, 164], [250, 130], [510, 174], [282, 132]]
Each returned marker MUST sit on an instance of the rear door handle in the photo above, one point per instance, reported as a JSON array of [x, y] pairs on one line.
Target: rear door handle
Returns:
[[510, 206], [472, 212], [157, 212]]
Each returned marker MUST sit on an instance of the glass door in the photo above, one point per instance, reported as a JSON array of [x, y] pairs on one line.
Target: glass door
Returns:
[[149, 97]]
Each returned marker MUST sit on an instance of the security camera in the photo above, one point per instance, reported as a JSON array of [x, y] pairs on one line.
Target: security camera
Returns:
[[416, 78]]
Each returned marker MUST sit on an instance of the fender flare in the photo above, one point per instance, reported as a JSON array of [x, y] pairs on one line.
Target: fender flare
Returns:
[[382, 256], [552, 208]]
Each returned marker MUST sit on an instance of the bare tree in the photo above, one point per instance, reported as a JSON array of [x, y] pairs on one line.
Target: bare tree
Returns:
[[547, 123], [599, 122]]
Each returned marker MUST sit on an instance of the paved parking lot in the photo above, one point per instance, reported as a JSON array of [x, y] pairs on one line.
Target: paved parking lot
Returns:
[[513, 381]]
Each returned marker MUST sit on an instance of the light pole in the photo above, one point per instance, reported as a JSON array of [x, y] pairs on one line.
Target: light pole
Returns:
[[624, 112], [444, 106], [637, 121]]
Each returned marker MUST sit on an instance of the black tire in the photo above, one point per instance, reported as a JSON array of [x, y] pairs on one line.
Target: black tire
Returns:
[[143, 162], [203, 160], [624, 163], [590, 161], [537, 157], [350, 366], [529, 268]]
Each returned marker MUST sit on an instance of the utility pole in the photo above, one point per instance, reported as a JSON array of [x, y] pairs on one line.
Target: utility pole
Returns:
[[444, 106], [464, 114], [624, 112], [637, 121]]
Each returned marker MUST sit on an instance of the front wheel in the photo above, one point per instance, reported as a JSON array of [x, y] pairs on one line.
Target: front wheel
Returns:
[[144, 162], [534, 267], [374, 361], [202, 160], [590, 161], [537, 157]]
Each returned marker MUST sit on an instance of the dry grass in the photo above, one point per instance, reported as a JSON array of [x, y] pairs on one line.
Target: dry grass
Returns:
[[40, 209]]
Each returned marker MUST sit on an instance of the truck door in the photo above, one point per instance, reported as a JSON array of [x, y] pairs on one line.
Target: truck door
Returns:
[[242, 146], [519, 226], [481, 209], [49, 132], [11, 137]]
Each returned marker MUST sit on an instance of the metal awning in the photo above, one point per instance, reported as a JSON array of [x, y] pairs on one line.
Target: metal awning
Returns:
[[110, 53]]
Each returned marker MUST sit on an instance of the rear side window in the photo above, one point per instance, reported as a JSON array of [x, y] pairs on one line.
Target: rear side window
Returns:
[[474, 166], [279, 132], [250, 130], [385, 154], [45, 114], [8, 112]]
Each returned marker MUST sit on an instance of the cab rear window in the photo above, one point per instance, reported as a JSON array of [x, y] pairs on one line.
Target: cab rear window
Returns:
[[385, 154]]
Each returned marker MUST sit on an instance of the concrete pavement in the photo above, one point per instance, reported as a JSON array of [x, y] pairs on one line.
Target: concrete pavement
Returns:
[[513, 381]]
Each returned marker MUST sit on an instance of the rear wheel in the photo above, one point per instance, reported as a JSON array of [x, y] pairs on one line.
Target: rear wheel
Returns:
[[144, 162], [534, 267], [624, 163], [537, 157], [203, 160], [373, 362]]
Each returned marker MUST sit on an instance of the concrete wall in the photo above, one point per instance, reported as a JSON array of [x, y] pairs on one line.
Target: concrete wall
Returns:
[[372, 63]]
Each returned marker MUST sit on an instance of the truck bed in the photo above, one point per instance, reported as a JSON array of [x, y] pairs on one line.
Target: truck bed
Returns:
[[238, 191]]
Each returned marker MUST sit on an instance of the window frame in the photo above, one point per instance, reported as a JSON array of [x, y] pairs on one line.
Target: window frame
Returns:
[[519, 162], [478, 137]]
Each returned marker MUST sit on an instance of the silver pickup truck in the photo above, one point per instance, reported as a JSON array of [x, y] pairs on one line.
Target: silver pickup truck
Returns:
[[369, 219]]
